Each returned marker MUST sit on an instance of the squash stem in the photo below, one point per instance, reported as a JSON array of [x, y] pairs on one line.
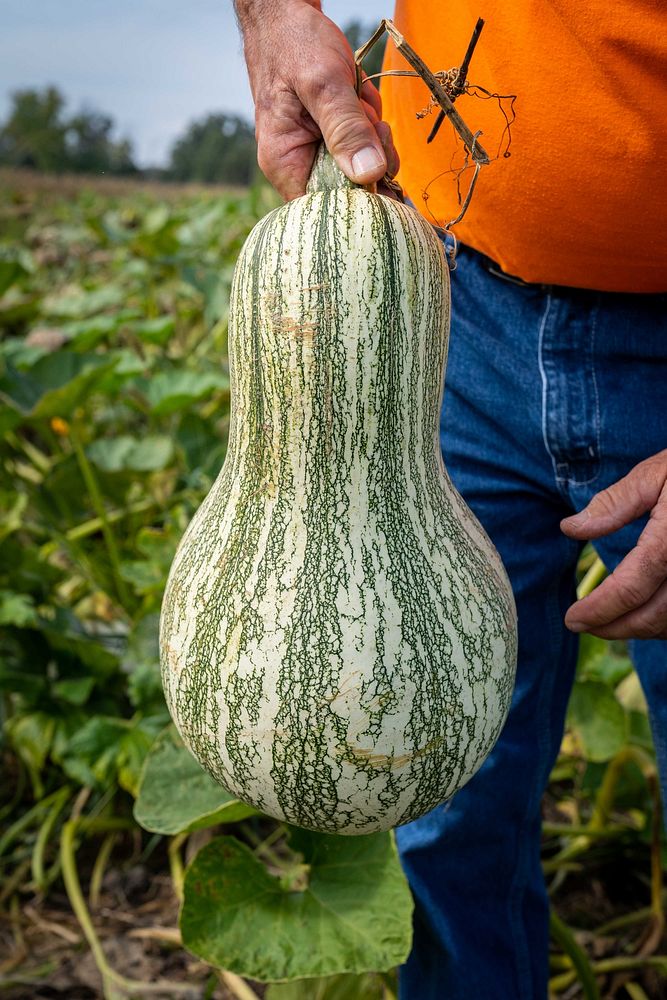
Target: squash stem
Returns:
[[176, 865]]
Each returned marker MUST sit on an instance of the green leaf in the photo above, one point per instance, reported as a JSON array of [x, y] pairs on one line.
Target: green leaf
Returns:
[[106, 748], [353, 916], [631, 694], [597, 720], [84, 334], [75, 690], [148, 576], [639, 730], [141, 661], [172, 391], [202, 446], [176, 795], [590, 649], [368, 987], [91, 754], [18, 680], [65, 634], [55, 384], [155, 331], [79, 304], [10, 272], [599, 661], [148, 454], [156, 218], [145, 577], [12, 509], [134, 748], [31, 736], [17, 609]]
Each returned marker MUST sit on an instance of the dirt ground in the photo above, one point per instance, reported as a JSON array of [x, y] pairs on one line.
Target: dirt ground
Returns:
[[44, 954]]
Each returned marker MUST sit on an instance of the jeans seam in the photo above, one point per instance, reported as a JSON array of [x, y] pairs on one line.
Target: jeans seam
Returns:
[[596, 395], [545, 392]]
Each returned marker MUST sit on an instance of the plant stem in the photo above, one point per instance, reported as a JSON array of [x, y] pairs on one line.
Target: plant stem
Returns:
[[621, 962], [625, 920], [45, 831], [110, 978], [98, 504], [24, 821], [565, 830], [562, 934], [14, 880], [237, 986], [99, 868], [95, 524], [176, 863], [592, 578], [264, 846], [596, 827], [657, 894], [635, 991]]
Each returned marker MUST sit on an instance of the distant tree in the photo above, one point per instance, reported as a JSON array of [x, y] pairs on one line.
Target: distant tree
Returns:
[[34, 133], [37, 134], [357, 33], [217, 149], [91, 148]]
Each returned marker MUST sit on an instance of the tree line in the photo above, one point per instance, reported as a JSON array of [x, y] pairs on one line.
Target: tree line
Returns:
[[38, 134], [220, 148]]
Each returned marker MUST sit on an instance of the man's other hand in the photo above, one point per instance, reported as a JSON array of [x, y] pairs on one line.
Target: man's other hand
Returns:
[[631, 603]]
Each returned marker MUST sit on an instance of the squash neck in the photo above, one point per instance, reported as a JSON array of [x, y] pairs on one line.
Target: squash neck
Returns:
[[326, 175]]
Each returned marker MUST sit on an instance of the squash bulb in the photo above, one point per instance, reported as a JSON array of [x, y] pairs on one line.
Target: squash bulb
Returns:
[[338, 635]]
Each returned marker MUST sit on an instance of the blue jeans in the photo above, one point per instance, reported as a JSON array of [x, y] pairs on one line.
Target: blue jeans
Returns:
[[551, 394]]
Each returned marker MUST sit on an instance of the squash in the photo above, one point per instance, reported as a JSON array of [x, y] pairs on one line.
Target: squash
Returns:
[[338, 636]]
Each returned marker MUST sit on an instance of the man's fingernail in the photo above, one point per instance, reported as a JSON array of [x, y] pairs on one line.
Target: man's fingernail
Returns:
[[366, 161], [575, 626]]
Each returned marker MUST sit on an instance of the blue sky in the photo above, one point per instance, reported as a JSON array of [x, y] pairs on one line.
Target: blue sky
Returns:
[[154, 65]]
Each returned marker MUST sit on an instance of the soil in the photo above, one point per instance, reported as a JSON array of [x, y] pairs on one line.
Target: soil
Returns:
[[44, 955]]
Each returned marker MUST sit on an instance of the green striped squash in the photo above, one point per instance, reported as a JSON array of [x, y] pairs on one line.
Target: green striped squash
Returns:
[[338, 636]]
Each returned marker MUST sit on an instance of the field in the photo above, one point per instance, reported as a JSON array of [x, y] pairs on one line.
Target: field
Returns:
[[114, 394]]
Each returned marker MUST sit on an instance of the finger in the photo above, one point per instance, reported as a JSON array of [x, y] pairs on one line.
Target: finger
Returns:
[[383, 129], [632, 583], [287, 141], [349, 135], [370, 112], [286, 167], [371, 95], [622, 502], [646, 622]]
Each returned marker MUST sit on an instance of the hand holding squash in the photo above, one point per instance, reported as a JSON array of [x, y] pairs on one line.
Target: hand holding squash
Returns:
[[632, 602], [302, 76]]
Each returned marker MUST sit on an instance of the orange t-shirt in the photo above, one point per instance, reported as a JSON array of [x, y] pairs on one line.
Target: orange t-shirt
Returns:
[[582, 199]]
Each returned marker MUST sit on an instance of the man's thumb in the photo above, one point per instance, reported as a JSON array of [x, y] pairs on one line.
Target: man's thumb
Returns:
[[351, 138]]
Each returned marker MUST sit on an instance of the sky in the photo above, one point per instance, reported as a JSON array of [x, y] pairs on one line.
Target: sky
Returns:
[[153, 65]]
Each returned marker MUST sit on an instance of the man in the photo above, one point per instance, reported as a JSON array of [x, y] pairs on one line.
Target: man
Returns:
[[556, 396]]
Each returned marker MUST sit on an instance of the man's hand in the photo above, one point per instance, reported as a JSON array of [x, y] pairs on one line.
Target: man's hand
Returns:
[[302, 76], [632, 602]]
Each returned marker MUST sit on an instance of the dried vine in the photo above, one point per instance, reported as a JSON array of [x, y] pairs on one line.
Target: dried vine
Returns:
[[445, 87]]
